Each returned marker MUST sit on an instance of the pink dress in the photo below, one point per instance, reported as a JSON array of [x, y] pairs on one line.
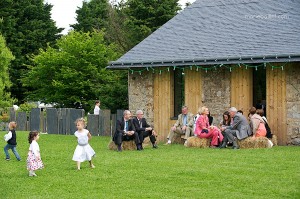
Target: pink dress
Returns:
[[215, 133], [34, 161]]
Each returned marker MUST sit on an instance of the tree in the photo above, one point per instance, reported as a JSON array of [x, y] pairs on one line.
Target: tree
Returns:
[[126, 23], [27, 26], [6, 57], [146, 16], [92, 15], [75, 72]]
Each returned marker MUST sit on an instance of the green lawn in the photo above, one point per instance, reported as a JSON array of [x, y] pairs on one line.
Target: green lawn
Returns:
[[168, 172]]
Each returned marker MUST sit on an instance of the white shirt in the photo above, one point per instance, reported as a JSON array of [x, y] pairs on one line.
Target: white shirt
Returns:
[[96, 110], [82, 137], [8, 136], [34, 147]]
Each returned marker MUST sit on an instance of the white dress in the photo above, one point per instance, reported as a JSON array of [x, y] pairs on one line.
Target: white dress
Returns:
[[83, 150]]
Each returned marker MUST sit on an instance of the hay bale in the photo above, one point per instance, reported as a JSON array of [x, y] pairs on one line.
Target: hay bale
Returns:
[[198, 142], [249, 142], [126, 145], [274, 140], [177, 139]]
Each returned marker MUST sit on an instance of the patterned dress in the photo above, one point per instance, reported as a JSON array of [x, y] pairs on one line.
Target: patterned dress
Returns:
[[34, 161]]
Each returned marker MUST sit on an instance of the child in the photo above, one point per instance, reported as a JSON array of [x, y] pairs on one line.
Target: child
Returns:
[[11, 139], [34, 161], [83, 150]]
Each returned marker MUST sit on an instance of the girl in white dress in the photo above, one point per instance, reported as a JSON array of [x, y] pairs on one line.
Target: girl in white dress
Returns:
[[34, 161], [83, 150]]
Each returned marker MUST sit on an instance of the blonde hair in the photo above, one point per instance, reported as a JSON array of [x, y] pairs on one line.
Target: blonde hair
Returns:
[[12, 125], [80, 120], [202, 109]]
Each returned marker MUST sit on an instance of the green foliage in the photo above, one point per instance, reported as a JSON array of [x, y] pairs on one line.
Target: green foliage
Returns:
[[27, 26], [126, 23], [26, 107], [146, 16], [6, 57], [168, 172], [92, 15], [75, 72]]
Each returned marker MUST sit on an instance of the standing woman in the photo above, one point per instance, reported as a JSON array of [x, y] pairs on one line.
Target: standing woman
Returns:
[[204, 130]]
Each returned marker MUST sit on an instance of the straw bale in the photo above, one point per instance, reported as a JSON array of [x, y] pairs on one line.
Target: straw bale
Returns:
[[126, 145], [249, 142], [274, 140], [198, 142]]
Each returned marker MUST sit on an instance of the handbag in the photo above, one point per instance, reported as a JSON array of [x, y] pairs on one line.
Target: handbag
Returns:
[[204, 131]]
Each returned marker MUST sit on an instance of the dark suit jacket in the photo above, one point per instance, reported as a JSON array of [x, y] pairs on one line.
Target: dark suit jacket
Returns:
[[137, 125], [121, 125]]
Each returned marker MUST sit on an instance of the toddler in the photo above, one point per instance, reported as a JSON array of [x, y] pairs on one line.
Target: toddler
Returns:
[[83, 150], [34, 161], [11, 139]]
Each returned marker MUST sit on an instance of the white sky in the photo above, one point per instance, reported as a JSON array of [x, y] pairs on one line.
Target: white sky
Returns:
[[63, 12]]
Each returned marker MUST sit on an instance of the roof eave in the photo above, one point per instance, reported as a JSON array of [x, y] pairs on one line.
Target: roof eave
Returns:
[[206, 62]]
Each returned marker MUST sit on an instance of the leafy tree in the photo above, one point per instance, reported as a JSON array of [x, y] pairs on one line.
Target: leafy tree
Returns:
[[27, 26], [75, 72], [126, 23], [92, 15], [6, 57], [146, 16]]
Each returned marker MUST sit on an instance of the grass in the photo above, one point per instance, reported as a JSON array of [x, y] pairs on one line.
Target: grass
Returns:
[[168, 172]]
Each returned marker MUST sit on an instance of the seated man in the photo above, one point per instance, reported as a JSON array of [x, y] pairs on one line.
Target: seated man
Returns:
[[183, 125], [239, 129], [143, 128], [125, 131]]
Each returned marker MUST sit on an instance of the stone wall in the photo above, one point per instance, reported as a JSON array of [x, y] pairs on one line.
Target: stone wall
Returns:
[[293, 103], [140, 94], [216, 92]]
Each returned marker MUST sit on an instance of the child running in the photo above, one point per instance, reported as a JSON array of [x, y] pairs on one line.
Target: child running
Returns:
[[34, 161], [11, 139], [83, 150]]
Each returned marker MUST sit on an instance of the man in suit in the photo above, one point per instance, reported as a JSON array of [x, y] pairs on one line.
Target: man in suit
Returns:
[[239, 129], [125, 131], [183, 125], [143, 128]]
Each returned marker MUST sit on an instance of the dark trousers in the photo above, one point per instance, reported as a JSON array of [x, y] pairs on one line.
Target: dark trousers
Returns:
[[230, 136], [144, 134], [120, 137]]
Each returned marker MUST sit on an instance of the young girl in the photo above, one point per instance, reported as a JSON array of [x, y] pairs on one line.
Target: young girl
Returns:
[[11, 139], [34, 161], [83, 150]]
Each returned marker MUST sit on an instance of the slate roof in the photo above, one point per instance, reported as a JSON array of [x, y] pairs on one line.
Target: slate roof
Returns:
[[222, 32]]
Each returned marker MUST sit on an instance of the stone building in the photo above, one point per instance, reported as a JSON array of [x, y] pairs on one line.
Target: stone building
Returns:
[[220, 54]]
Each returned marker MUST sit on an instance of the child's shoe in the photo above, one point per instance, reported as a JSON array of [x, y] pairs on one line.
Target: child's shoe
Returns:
[[93, 166], [32, 174]]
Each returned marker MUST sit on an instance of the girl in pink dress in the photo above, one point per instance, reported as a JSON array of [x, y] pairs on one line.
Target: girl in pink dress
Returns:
[[34, 161], [204, 130]]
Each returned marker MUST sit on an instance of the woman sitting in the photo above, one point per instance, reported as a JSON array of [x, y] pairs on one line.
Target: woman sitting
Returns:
[[261, 113], [257, 124], [204, 130], [226, 120]]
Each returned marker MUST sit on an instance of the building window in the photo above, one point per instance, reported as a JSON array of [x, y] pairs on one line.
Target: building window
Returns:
[[178, 90]]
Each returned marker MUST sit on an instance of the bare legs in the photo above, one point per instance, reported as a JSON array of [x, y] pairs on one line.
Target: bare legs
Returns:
[[91, 165]]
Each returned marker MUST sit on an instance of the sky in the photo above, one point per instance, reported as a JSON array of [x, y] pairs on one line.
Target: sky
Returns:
[[63, 12]]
